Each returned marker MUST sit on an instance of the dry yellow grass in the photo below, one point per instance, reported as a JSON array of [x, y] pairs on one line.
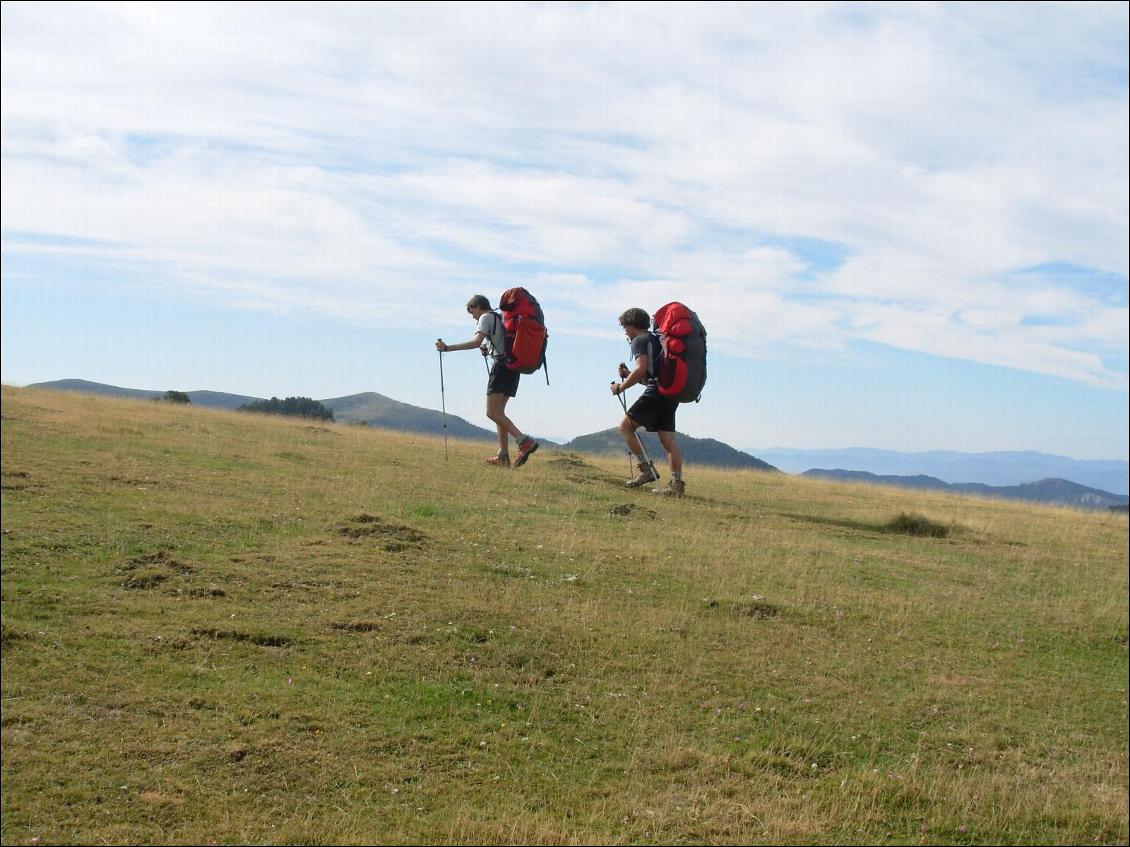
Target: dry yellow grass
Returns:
[[219, 627]]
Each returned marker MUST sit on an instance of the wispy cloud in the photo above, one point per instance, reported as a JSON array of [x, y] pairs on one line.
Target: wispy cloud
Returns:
[[339, 157]]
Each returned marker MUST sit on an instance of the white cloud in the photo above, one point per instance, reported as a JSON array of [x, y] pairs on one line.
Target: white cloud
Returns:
[[331, 157]]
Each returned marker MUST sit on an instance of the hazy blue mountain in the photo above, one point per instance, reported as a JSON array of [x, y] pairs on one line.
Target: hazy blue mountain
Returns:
[[999, 468], [209, 399], [1054, 491], [1059, 491], [701, 451]]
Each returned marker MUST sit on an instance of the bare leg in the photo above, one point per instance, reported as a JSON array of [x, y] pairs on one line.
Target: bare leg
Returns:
[[628, 431], [496, 411], [670, 444]]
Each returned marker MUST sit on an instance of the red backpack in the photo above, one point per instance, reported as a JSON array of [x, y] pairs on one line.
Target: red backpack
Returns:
[[526, 336], [681, 374]]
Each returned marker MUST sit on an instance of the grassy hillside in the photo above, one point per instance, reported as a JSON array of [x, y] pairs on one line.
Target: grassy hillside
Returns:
[[224, 628]]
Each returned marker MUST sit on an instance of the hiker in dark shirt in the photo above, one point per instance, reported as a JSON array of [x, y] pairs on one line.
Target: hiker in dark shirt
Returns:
[[502, 384], [651, 410]]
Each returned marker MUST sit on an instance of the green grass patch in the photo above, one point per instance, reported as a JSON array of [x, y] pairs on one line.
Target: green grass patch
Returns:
[[912, 524]]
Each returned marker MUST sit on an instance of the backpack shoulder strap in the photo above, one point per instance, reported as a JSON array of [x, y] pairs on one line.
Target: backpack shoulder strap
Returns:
[[497, 334], [654, 353]]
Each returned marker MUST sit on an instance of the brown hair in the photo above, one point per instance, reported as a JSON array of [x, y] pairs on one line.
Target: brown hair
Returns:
[[635, 317], [478, 302]]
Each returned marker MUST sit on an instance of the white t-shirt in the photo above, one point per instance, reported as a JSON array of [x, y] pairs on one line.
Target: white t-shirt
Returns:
[[490, 325]]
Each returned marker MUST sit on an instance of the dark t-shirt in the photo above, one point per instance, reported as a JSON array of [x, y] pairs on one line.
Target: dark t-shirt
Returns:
[[647, 344]]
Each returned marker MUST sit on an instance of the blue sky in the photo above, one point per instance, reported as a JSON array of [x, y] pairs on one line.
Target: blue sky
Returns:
[[904, 225]]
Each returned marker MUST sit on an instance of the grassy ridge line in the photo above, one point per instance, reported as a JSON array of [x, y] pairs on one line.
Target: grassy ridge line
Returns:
[[226, 628]]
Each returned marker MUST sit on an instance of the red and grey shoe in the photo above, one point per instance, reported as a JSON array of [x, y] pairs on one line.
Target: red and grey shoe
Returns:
[[525, 448]]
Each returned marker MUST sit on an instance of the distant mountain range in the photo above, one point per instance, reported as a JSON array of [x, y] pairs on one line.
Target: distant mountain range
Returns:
[[374, 409], [1004, 468], [1055, 491], [211, 399]]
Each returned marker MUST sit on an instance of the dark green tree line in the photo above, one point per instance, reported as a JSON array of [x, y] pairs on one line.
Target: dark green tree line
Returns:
[[297, 407]]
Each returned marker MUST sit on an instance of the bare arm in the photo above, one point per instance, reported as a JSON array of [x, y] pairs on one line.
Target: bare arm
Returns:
[[465, 345]]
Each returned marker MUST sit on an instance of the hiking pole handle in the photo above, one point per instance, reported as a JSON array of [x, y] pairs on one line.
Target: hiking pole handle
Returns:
[[620, 395]]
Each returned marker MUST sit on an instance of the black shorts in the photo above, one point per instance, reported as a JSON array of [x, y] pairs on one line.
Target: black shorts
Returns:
[[654, 412], [502, 380]]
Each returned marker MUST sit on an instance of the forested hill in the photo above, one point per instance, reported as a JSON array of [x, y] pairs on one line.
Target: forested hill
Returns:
[[377, 410]]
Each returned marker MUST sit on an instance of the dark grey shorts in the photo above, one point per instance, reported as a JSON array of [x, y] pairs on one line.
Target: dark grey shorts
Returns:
[[654, 412], [502, 380]]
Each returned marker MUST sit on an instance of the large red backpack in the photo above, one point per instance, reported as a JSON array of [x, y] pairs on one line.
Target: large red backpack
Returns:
[[526, 336], [682, 367]]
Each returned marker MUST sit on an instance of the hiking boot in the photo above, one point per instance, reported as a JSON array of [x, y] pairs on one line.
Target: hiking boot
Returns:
[[500, 460], [647, 474], [525, 448], [673, 488]]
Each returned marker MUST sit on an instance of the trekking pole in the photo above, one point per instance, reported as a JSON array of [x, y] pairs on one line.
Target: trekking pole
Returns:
[[624, 404], [639, 437], [442, 402]]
